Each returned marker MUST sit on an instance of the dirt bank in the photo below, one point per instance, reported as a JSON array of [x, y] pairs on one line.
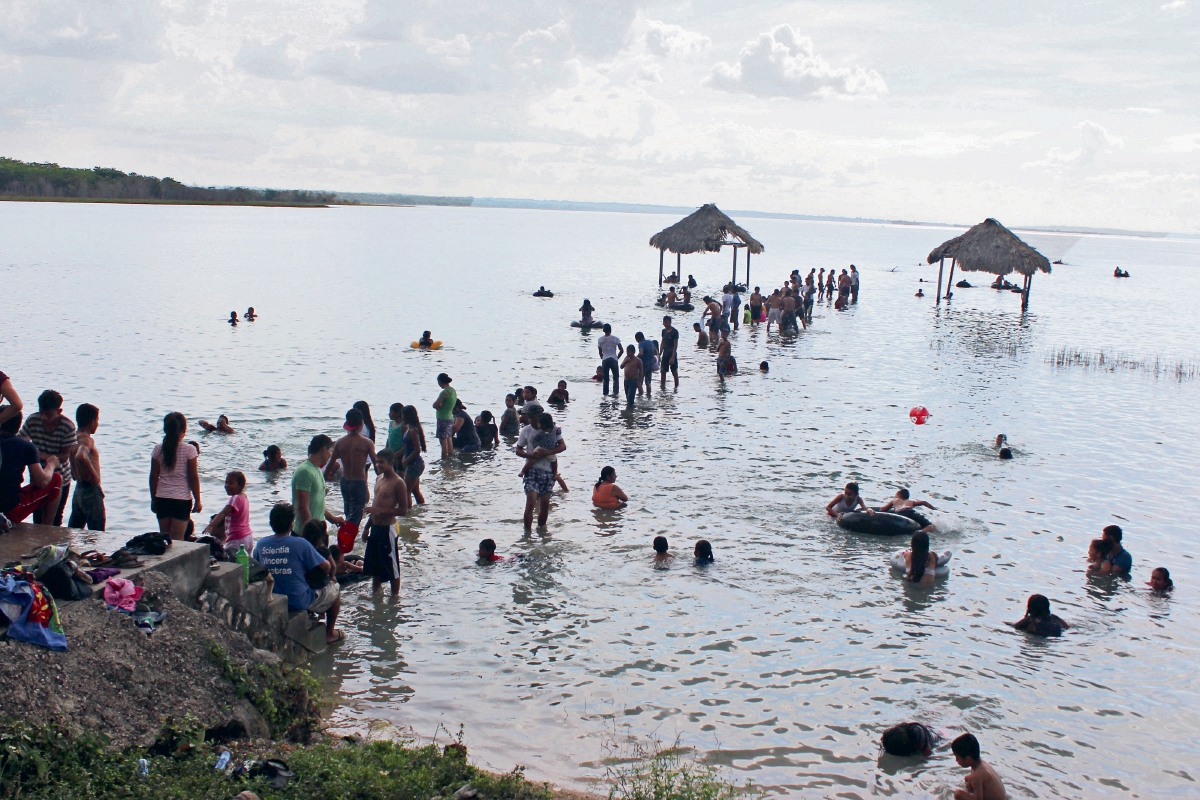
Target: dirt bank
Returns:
[[116, 680]]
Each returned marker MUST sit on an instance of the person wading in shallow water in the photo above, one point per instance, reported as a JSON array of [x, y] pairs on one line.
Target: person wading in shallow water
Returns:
[[539, 474], [669, 357]]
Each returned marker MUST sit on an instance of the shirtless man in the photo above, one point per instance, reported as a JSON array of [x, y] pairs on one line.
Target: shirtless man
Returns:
[[774, 309], [982, 783], [672, 298], [382, 558], [787, 319], [87, 506], [352, 451], [633, 371], [723, 350], [702, 337], [756, 304], [712, 310], [902, 505]]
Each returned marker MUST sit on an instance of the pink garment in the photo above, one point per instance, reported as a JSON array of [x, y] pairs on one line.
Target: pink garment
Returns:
[[237, 523], [122, 594]]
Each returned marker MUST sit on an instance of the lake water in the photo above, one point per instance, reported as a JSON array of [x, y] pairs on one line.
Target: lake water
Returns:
[[786, 658]]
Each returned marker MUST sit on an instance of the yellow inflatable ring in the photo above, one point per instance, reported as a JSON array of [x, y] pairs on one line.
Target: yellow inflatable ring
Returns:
[[435, 346]]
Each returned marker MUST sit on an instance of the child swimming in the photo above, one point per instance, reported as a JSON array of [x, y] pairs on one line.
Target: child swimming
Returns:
[[1160, 580], [848, 500], [983, 783], [661, 556], [703, 553], [1038, 620], [559, 395], [222, 425], [273, 459]]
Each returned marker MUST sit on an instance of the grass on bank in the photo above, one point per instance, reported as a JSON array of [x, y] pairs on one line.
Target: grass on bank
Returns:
[[48, 762]]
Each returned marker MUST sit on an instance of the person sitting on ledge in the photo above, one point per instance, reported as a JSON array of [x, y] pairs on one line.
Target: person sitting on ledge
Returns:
[[289, 558], [45, 482]]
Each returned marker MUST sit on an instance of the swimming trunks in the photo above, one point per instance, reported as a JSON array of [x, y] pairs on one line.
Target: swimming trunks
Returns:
[[723, 366], [445, 428], [540, 481], [382, 558], [912, 514]]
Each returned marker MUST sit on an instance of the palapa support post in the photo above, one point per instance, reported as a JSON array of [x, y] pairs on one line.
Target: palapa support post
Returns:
[[950, 280], [734, 279], [747, 269], [661, 253], [1025, 293], [941, 263], [679, 267]]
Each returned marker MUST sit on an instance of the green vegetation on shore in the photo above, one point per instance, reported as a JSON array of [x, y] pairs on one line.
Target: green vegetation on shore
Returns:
[[48, 763], [29, 181]]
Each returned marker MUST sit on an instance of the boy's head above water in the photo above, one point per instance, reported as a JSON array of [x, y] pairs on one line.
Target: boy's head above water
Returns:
[[660, 545]]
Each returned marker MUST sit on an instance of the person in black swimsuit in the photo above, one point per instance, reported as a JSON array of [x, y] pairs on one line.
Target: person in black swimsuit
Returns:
[[908, 739]]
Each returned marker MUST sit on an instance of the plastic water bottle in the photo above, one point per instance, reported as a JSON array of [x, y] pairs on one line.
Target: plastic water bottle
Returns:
[[243, 558], [223, 761], [143, 767]]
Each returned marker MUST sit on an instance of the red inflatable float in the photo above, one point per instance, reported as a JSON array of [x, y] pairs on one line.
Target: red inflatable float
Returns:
[[919, 415]]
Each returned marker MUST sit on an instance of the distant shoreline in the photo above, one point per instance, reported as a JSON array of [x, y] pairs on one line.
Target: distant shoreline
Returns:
[[152, 201]]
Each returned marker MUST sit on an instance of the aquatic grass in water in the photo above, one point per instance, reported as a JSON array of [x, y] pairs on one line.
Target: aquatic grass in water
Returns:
[[1112, 361]]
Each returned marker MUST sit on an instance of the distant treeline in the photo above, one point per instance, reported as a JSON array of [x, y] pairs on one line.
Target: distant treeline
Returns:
[[22, 179]]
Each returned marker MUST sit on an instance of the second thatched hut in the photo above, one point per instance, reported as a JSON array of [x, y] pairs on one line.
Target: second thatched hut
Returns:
[[989, 247], [705, 231]]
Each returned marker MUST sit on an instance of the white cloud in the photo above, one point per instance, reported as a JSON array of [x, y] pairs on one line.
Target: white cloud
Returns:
[[1188, 143], [781, 63], [268, 59], [1174, 4], [112, 30], [1094, 140], [1144, 110], [663, 39]]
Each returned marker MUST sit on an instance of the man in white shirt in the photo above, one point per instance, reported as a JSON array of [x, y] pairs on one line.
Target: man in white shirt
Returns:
[[853, 284], [609, 347], [726, 304]]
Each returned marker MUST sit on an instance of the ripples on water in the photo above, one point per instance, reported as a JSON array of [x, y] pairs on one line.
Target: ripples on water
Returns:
[[786, 658]]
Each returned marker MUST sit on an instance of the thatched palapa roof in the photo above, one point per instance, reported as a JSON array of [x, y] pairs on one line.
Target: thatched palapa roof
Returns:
[[703, 232], [991, 247]]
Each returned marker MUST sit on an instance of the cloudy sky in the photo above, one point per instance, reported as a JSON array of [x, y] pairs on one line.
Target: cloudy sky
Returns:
[[1038, 113]]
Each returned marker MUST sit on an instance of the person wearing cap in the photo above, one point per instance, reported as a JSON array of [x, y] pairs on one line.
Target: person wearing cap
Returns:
[[444, 406], [352, 452]]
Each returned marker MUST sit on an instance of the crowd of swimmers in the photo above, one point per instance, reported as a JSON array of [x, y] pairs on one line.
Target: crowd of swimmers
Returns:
[[308, 567]]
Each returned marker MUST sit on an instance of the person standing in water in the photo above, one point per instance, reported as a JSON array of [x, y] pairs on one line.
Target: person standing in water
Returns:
[[444, 406], [632, 365], [756, 304], [647, 352], [724, 356], [352, 452], [853, 284], [381, 560], [669, 357], [414, 445], [609, 347], [539, 475]]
